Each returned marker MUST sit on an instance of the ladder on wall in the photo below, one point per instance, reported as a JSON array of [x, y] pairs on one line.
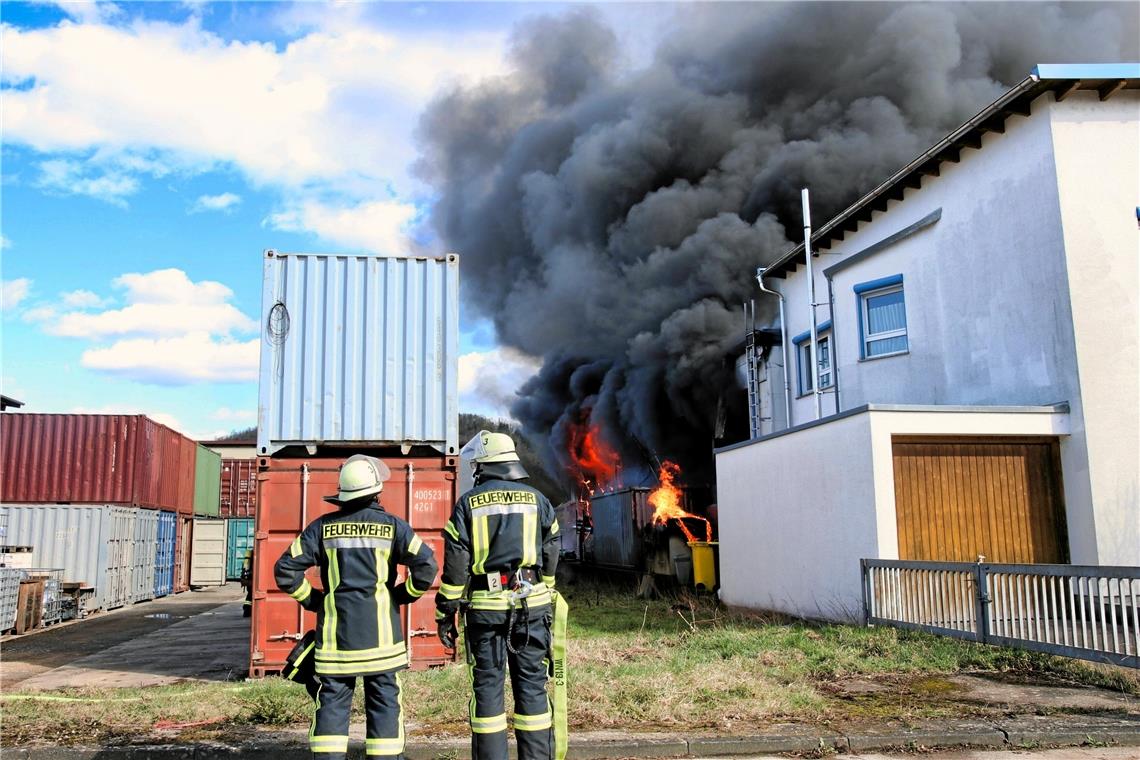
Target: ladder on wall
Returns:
[[752, 360]]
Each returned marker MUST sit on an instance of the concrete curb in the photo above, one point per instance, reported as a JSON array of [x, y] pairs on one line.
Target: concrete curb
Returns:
[[1015, 733]]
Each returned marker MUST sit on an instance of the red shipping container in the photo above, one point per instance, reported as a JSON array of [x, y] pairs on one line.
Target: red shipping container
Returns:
[[291, 495], [127, 460], [239, 487], [182, 540]]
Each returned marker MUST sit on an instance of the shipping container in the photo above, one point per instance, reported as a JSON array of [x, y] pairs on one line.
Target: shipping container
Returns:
[[207, 482], [93, 545], [104, 459], [208, 552], [619, 521], [359, 351], [145, 550], [239, 540], [239, 487], [182, 553], [164, 554], [290, 496]]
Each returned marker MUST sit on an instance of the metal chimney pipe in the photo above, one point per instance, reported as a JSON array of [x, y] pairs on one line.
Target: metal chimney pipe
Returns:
[[814, 348]]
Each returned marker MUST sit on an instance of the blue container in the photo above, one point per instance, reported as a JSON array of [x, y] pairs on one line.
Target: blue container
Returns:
[[359, 351], [164, 555], [239, 540]]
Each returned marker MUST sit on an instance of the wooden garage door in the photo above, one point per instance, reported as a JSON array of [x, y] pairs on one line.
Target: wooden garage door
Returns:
[[997, 497]]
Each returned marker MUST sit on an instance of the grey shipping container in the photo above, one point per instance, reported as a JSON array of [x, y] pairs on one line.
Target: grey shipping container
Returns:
[[93, 545], [208, 552], [144, 550], [359, 351]]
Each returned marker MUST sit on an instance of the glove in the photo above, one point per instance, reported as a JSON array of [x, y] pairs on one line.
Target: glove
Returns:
[[445, 625]]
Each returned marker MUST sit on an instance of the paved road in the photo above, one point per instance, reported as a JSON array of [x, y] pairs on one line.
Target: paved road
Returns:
[[28, 657]]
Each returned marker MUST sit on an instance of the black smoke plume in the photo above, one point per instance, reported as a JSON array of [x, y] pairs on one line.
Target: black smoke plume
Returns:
[[610, 220]]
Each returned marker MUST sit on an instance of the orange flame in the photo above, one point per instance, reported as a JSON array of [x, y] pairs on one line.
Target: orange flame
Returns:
[[666, 502], [596, 461]]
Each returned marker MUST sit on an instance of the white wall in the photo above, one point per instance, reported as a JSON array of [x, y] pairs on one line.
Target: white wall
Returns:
[[1097, 150], [797, 512], [1045, 207]]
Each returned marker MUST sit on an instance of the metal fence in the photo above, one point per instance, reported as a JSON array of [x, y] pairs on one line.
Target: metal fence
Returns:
[[1088, 612]]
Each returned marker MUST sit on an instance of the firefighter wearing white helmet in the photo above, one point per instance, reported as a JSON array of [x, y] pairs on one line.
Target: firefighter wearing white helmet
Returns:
[[500, 554], [358, 630]]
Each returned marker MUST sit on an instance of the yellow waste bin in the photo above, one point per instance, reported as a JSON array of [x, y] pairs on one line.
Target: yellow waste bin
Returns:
[[704, 564]]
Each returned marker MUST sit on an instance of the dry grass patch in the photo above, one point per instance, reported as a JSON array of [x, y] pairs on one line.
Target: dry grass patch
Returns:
[[635, 666]]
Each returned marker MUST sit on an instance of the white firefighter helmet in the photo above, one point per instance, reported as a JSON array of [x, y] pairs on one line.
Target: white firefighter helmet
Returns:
[[360, 476], [487, 447]]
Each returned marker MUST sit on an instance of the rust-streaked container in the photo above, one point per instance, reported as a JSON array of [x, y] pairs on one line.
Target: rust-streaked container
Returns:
[[126, 460], [183, 537], [291, 495], [239, 487]]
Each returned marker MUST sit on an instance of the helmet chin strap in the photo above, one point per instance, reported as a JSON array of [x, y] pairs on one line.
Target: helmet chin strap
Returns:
[[485, 471]]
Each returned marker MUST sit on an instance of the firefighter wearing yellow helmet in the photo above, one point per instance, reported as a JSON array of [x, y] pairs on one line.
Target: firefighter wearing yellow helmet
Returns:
[[500, 554], [358, 615]]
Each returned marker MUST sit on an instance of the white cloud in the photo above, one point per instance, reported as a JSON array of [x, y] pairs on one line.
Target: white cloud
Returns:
[[82, 299], [163, 303], [12, 292], [5, 242], [377, 226], [338, 102], [225, 414], [171, 331], [223, 202], [489, 380], [70, 177], [196, 357]]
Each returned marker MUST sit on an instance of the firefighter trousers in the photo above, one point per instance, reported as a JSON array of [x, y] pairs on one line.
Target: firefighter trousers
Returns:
[[384, 716], [487, 656]]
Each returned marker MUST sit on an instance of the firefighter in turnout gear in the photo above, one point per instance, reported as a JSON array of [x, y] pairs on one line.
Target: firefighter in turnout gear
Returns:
[[358, 615], [501, 551]]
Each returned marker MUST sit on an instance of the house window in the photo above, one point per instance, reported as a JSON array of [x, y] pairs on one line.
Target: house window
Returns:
[[882, 317], [803, 353]]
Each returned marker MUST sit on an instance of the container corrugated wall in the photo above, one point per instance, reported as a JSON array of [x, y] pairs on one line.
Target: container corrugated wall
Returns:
[[239, 540], [291, 495], [94, 459], [164, 554], [359, 350], [208, 552], [93, 545], [239, 487], [207, 482], [145, 551], [182, 553]]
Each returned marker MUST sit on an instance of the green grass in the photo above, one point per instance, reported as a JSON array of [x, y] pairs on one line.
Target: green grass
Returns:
[[634, 665]]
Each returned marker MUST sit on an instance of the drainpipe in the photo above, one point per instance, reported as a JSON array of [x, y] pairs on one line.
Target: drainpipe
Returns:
[[783, 346], [814, 347], [834, 342]]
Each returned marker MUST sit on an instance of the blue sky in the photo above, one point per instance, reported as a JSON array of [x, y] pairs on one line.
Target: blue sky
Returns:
[[152, 151]]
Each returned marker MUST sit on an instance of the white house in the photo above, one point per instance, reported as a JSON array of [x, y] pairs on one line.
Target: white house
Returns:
[[977, 329]]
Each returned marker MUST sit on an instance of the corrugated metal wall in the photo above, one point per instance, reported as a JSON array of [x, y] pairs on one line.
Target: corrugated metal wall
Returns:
[[94, 459], [164, 553], [145, 550], [94, 545], [239, 487], [208, 552], [359, 349], [207, 482], [239, 540]]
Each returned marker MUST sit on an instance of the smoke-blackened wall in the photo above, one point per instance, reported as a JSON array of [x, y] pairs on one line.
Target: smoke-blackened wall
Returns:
[[611, 220]]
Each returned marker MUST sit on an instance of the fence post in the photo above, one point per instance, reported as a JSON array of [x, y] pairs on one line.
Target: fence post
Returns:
[[866, 591], [982, 600]]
